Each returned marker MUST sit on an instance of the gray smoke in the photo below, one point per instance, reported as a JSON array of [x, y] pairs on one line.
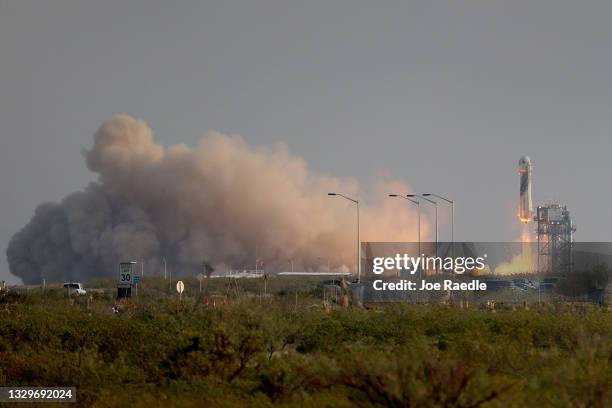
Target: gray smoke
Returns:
[[222, 202]]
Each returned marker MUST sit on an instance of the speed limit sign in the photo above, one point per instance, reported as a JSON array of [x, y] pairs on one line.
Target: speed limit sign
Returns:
[[126, 274]]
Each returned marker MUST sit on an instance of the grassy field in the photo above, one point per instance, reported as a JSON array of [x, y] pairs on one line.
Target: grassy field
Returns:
[[261, 347]]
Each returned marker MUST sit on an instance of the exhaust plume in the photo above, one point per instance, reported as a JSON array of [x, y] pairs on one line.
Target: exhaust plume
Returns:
[[221, 202]]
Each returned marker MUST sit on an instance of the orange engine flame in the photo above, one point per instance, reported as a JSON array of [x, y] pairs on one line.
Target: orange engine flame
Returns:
[[522, 262]]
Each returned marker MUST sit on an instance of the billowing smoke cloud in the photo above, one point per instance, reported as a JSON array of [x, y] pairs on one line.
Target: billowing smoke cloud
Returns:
[[222, 202]]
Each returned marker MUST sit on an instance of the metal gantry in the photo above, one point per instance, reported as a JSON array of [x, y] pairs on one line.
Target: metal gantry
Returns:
[[555, 235]]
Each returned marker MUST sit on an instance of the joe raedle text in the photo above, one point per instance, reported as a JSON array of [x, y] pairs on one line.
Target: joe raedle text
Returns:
[[424, 285]]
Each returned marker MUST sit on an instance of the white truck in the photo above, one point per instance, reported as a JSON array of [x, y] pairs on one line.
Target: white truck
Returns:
[[75, 288]]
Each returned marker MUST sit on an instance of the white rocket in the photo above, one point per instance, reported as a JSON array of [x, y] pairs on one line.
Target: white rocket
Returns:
[[525, 209]]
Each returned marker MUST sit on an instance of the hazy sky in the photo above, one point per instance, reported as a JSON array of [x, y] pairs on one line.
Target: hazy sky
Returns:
[[446, 95]]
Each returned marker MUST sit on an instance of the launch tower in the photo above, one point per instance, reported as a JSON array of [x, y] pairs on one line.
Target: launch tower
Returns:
[[554, 230]]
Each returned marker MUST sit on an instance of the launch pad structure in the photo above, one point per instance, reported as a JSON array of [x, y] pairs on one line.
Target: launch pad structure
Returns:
[[555, 236], [554, 228]]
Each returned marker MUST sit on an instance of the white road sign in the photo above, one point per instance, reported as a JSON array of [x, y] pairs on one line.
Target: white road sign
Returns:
[[180, 287], [126, 274]]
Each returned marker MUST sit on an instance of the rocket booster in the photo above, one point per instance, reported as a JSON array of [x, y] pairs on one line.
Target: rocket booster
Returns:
[[525, 209]]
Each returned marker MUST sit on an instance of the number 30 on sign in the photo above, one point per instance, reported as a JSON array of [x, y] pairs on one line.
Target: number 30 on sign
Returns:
[[125, 273]]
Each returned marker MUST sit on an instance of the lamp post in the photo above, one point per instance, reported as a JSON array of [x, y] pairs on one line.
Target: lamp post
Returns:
[[166, 272], [418, 204], [435, 203], [452, 203], [264, 275], [358, 233]]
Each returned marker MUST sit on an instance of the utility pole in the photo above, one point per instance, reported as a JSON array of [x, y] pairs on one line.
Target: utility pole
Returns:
[[356, 202]]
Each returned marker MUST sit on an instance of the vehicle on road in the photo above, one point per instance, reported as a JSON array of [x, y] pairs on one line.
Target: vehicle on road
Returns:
[[75, 288]]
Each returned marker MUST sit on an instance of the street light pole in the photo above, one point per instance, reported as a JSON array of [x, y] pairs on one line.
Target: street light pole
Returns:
[[356, 202], [435, 203], [358, 246], [418, 204], [452, 203]]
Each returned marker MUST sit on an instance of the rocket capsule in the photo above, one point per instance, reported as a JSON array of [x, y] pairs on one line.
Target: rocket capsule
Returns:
[[525, 209]]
